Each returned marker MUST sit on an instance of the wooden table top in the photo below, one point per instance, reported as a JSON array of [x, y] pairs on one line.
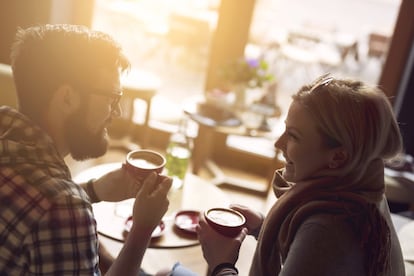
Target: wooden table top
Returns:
[[197, 194]]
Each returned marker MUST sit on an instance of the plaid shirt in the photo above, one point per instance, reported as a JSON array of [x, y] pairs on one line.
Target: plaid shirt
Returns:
[[46, 221]]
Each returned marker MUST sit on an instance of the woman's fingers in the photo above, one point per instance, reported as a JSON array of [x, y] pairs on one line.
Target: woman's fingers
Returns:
[[242, 235]]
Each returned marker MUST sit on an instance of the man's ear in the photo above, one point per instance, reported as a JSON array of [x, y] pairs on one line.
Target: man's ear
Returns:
[[339, 158], [66, 98]]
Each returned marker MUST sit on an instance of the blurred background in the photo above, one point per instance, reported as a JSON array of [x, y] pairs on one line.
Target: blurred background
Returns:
[[172, 40], [177, 49]]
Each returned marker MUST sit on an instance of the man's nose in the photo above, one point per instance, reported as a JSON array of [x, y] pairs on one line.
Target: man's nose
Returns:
[[116, 110]]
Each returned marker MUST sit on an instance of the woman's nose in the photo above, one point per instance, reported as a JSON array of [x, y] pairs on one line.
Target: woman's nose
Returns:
[[280, 142]]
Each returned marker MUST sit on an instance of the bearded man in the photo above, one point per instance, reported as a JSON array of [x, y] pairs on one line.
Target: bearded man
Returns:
[[67, 80]]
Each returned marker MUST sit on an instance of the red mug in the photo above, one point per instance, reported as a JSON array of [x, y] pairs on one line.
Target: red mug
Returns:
[[226, 221], [142, 162]]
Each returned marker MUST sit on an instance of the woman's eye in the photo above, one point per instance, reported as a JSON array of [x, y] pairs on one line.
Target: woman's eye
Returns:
[[291, 135]]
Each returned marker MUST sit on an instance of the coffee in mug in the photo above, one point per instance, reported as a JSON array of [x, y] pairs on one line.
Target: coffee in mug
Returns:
[[143, 162]]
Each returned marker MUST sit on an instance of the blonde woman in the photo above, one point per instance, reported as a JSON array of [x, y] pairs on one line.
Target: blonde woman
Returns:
[[331, 216]]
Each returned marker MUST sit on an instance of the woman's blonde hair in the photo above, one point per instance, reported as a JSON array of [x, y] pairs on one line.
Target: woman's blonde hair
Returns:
[[354, 115]]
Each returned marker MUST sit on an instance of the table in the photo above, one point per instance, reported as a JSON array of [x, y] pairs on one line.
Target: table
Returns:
[[196, 194]]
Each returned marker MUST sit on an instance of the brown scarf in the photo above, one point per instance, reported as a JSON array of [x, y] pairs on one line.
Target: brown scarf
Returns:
[[342, 196]]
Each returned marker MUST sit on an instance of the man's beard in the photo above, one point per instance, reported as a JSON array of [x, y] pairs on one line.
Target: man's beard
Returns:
[[82, 143]]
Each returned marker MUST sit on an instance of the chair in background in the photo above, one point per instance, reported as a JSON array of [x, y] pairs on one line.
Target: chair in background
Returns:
[[378, 45], [7, 89], [399, 183]]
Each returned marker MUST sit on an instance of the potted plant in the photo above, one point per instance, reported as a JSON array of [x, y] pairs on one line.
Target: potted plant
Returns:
[[245, 73]]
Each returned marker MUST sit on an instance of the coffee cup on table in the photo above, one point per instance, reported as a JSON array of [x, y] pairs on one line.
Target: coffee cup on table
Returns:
[[142, 162]]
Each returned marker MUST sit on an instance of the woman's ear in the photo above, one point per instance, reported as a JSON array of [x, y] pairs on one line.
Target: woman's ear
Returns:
[[339, 158]]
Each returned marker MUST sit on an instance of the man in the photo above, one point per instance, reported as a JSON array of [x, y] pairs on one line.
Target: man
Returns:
[[68, 87]]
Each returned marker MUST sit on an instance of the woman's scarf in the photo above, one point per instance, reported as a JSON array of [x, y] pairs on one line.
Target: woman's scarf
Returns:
[[354, 201]]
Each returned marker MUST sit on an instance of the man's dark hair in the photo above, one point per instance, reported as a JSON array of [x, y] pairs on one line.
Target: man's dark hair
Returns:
[[47, 56]]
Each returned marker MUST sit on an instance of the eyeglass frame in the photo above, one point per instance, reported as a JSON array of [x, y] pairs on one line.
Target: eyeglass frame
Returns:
[[115, 96], [323, 80]]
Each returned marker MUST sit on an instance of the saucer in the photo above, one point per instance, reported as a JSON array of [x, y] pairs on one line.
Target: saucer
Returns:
[[187, 220]]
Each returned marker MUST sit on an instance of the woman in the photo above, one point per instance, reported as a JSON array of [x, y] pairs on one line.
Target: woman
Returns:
[[331, 216]]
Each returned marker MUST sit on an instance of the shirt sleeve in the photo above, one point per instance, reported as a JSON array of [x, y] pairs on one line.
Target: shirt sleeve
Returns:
[[227, 272], [64, 241]]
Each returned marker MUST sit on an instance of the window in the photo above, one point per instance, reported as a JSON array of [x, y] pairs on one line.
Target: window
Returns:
[[302, 39]]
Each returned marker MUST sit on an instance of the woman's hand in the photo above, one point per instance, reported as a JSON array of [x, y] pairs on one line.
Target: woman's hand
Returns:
[[254, 219], [151, 202], [216, 247]]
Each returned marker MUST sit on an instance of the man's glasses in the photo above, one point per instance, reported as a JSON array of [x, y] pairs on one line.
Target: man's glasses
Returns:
[[116, 96], [322, 81]]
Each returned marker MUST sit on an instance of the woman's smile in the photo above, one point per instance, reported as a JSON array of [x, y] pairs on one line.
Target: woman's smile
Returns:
[[302, 145]]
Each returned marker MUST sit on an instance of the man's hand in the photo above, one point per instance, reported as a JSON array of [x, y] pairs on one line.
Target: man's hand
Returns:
[[117, 185], [151, 201]]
